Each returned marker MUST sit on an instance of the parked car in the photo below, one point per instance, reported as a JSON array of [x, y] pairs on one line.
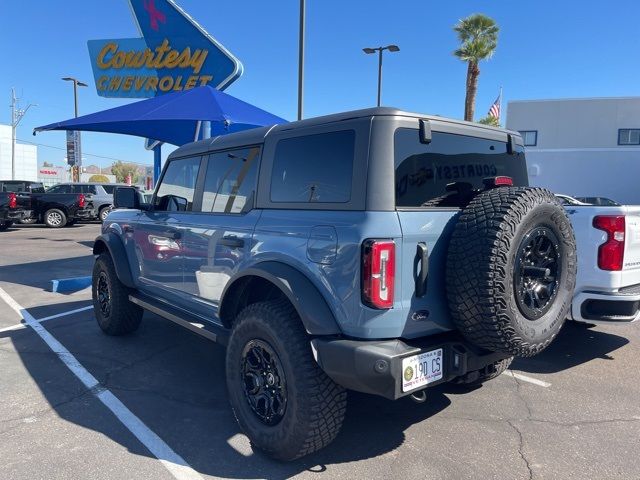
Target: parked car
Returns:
[[608, 281], [603, 201], [57, 210], [13, 208], [21, 186], [99, 194], [378, 251]]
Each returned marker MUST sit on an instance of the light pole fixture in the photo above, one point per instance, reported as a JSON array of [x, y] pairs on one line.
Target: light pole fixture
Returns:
[[368, 51], [76, 83]]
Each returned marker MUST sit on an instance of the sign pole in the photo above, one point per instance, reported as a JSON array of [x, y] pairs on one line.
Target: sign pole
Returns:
[[301, 60], [157, 163]]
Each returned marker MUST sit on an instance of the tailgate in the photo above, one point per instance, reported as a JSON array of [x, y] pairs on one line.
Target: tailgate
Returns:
[[428, 313]]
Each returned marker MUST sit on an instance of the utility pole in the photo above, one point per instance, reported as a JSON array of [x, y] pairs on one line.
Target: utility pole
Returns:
[[16, 117], [76, 169]]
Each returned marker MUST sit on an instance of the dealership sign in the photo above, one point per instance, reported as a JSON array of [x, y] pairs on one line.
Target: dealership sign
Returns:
[[174, 53]]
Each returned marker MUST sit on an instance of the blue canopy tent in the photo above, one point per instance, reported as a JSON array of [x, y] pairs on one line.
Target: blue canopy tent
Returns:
[[174, 118]]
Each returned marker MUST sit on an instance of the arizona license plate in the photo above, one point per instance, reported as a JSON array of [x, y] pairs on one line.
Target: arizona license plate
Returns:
[[422, 369]]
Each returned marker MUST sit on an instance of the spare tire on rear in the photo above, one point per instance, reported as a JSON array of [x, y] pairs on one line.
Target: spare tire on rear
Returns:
[[511, 270]]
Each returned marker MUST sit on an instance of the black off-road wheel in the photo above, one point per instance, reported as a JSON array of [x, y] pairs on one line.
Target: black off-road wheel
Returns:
[[115, 314], [283, 401], [55, 218], [511, 270], [4, 226]]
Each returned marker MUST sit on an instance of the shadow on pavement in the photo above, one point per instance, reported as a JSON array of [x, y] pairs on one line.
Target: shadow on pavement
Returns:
[[174, 382], [47, 270], [574, 345]]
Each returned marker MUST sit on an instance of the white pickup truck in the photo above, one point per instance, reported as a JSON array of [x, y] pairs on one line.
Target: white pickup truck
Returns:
[[608, 247]]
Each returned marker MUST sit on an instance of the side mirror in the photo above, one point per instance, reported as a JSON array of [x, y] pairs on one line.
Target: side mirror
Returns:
[[126, 197]]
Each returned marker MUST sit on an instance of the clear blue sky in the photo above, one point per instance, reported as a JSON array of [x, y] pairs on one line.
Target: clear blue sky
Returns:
[[546, 49]]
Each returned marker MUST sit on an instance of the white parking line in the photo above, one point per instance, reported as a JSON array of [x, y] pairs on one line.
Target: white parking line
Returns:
[[21, 326], [524, 378], [173, 462]]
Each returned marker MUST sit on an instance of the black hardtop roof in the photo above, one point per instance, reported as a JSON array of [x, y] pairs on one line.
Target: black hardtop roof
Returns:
[[257, 135]]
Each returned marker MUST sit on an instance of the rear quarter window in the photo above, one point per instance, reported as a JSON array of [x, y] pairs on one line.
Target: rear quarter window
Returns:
[[314, 168], [423, 171]]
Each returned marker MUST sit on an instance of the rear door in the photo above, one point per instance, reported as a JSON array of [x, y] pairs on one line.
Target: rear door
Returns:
[[218, 238], [427, 210]]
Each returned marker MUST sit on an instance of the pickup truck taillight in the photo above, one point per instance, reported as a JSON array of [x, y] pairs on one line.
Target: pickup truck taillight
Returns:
[[611, 252], [81, 201], [378, 273], [13, 200]]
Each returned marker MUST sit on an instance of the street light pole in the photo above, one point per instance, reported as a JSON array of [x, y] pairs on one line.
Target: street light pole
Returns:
[[301, 60], [391, 48], [75, 173]]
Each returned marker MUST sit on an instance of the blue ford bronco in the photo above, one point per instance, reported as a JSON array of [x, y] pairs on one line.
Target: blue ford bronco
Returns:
[[377, 250]]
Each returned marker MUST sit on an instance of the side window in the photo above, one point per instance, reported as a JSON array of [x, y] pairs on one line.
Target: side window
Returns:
[[423, 171], [230, 182], [90, 189], [109, 189], [314, 168], [176, 190], [60, 189], [77, 188]]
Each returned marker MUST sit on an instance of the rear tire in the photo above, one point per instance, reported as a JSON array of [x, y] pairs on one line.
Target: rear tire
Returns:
[[308, 407], [104, 212], [511, 270], [115, 314], [55, 218]]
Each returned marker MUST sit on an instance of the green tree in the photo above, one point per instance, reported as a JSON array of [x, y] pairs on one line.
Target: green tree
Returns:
[[478, 35], [490, 120], [121, 170], [98, 178], [46, 164]]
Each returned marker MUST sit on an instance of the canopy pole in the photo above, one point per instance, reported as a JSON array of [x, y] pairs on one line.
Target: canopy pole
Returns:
[[157, 163], [206, 129]]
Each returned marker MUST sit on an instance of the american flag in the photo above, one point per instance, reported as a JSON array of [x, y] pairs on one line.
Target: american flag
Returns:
[[494, 110]]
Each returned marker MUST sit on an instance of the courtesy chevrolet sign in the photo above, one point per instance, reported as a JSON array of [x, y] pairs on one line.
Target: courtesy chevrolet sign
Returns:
[[173, 54]]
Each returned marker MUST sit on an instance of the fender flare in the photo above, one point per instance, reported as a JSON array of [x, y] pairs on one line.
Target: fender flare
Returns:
[[312, 308], [111, 242]]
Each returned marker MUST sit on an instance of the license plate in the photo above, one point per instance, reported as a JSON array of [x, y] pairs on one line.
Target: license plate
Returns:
[[422, 369]]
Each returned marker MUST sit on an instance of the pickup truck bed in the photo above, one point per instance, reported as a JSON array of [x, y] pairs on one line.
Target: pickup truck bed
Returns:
[[606, 295]]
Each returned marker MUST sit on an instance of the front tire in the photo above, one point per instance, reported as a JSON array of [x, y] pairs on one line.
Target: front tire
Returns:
[[104, 213], [116, 315], [283, 401], [55, 218]]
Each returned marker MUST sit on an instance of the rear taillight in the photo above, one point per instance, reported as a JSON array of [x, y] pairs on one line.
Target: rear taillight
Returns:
[[81, 201], [611, 252], [13, 200], [378, 273]]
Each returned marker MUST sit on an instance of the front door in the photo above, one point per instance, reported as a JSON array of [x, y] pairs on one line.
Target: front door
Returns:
[[218, 239], [159, 232]]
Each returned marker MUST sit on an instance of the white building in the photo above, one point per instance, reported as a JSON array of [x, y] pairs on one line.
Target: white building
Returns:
[[26, 158], [587, 147]]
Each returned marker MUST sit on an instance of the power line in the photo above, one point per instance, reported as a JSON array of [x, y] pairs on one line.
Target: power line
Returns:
[[83, 153]]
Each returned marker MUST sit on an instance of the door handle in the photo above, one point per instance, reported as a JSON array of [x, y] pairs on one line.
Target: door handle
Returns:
[[422, 260], [231, 241]]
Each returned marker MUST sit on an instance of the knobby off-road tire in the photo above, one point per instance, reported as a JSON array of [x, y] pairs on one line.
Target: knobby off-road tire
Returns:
[[511, 270], [310, 406], [55, 218], [115, 314]]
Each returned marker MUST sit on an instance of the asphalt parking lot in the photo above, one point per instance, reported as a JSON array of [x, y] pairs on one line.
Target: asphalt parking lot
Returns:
[[571, 412]]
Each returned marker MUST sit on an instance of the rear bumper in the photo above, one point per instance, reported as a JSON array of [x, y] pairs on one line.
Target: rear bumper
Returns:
[[17, 215], [375, 367], [605, 307]]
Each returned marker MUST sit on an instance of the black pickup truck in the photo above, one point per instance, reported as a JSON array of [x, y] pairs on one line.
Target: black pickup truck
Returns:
[[55, 210], [13, 208]]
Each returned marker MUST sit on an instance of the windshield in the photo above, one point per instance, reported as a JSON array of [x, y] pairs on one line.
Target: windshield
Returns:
[[423, 171]]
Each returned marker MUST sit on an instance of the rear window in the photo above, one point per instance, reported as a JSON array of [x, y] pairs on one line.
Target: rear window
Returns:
[[314, 168], [422, 171], [109, 189]]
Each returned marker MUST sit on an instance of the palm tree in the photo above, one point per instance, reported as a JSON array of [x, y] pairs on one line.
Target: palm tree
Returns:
[[478, 35]]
